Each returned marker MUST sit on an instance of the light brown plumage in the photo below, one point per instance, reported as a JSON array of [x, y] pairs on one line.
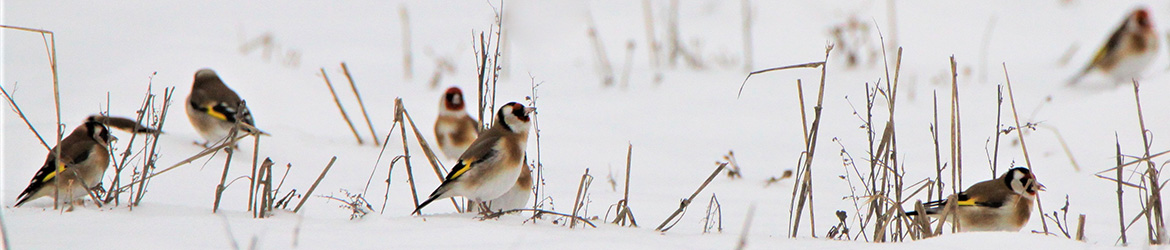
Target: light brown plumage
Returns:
[[84, 159], [213, 108], [1130, 49], [492, 164], [1001, 204]]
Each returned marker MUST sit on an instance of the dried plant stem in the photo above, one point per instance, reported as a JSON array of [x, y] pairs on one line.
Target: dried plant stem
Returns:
[[582, 191], [201, 154], [1154, 206], [605, 68], [401, 117], [51, 51], [340, 108], [956, 132], [1081, 228], [624, 212], [685, 202], [168, 93], [314, 186], [361, 104], [25, 119], [254, 181], [796, 66], [1120, 203], [1023, 146], [222, 179], [805, 180]]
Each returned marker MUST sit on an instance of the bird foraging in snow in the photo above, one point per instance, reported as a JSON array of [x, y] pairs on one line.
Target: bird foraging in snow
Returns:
[[214, 109], [492, 164], [1129, 51], [1001, 204], [84, 158], [455, 130]]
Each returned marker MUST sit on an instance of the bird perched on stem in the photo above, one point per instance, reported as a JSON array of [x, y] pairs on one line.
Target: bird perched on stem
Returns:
[[492, 164], [214, 109], [1129, 51], [84, 158], [1001, 204]]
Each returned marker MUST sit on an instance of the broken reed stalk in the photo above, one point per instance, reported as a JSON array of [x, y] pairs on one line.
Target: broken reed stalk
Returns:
[[406, 154], [1154, 208], [223, 178], [747, 34], [1023, 146], [314, 186], [401, 117], [1120, 203], [407, 55], [1081, 227], [956, 132], [805, 180], [685, 202], [539, 166], [264, 178], [361, 104], [253, 181], [582, 191], [25, 119], [168, 93], [340, 108], [624, 212]]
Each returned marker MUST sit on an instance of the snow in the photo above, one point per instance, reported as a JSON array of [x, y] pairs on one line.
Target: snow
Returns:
[[678, 127]]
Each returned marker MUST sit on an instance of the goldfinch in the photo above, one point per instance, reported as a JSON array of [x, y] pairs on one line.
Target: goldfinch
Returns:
[[517, 197], [85, 156], [1129, 50], [455, 130], [213, 108], [492, 164], [1001, 204]]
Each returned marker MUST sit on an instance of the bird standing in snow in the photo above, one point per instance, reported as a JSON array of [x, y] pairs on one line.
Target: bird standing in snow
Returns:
[[213, 108], [493, 163], [455, 130], [1001, 204], [1128, 52], [85, 156]]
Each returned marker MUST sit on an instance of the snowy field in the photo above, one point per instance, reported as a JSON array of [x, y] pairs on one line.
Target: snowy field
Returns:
[[109, 52]]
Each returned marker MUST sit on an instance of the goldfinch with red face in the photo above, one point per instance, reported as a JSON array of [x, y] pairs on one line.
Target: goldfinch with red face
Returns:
[[1129, 51], [1001, 204], [85, 156], [492, 164], [455, 130], [213, 108]]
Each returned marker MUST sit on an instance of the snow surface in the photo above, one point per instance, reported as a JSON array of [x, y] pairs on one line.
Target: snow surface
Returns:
[[678, 127]]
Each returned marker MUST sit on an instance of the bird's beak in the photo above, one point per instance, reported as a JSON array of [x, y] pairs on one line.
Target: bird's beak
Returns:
[[1040, 187], [529, 110]]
